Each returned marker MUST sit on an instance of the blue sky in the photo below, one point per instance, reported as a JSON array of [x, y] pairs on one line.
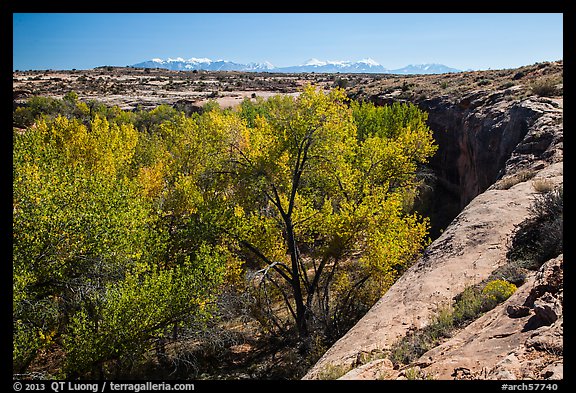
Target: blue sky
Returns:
[[464, 41]]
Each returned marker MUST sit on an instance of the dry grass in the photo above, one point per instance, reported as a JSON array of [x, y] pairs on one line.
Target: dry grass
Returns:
[[545, 87], [333, 371], [543, 185], [519, 177]]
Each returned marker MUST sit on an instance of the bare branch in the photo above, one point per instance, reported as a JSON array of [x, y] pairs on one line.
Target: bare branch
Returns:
[[266, 275], [275, 265]]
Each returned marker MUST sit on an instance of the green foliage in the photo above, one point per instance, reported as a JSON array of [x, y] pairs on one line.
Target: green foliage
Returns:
[[316, 180], [389, 121], [137, 311], [128, 224], [69, 106], [250, 110], [415, 373], [468, 305], [333, 371], [73, 231], [93, 272], [474, 300]]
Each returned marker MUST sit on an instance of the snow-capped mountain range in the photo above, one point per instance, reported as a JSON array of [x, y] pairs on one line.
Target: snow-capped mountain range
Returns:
[[312, 65]]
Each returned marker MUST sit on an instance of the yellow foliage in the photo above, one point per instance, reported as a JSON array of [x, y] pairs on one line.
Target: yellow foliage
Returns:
[[238, 211], [498, 290], [152, 179]]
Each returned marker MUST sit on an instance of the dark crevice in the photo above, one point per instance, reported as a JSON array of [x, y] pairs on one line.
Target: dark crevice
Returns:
[[474, 144]]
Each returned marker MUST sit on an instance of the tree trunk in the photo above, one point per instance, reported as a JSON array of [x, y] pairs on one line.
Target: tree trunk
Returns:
[[301, 314]]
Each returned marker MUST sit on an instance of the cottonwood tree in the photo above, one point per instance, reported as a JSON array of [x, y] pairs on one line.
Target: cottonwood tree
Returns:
[[94, 274], [127, 226], [321, 193]]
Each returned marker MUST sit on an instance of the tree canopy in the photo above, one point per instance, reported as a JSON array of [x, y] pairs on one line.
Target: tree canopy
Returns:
[[127, 226]]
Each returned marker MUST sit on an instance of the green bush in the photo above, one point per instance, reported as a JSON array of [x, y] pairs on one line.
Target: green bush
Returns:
[[333, 371], [514, 272], [469, 304]]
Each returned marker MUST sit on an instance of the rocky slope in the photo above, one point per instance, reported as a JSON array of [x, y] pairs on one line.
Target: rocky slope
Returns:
[[489, 143]]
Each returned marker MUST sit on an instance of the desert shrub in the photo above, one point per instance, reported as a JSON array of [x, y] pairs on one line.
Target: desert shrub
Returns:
[[519, 75], [410, 347], [69, 106], [341, 83], [496, 292], [514, 272], [469, 304], [549, 205], [541, 236], [22, 117], [407, 86], [543, 185], [545, 87], [415, 374]]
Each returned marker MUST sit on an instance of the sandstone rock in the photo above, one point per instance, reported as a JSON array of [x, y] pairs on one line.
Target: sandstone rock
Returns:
[[487, 347], [553, 371], [517, 311], [547, 309], [548, 338], [507, 368], [504, 374], [550, 278]]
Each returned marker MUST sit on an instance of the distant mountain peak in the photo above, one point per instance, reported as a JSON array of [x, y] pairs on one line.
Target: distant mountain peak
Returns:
[[314, 62], [369, 61], [366, 65]]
